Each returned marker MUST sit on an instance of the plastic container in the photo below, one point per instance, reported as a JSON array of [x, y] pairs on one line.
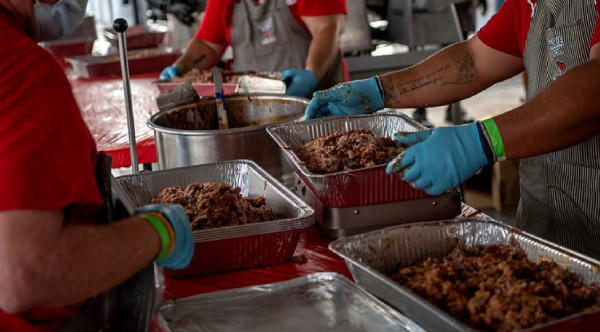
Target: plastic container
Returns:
[[370, 257], [317, 302], [234, 247], [140, 61], [365, 186]]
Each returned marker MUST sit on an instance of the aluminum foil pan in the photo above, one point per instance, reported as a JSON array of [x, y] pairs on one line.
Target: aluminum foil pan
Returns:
[[234, 247], [370, 257], [358, 187], [317, 302]]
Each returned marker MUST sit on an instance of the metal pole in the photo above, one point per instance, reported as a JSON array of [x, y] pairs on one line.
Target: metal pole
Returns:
[[120, 26]]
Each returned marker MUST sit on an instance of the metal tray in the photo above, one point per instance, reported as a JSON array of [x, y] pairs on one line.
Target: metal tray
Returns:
[[235, 247], [140, 61], [203, 89], [139, 36], [317, 302], [339, 222], [370, 257], [365, 186]]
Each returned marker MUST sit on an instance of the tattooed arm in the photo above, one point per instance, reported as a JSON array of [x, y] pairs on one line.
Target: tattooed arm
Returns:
[[200, 54], [457, 72]]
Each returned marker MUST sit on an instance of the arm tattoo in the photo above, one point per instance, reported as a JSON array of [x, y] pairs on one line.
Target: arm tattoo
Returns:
[[387, 83], [200, 58], [461, 60], [465, 66]]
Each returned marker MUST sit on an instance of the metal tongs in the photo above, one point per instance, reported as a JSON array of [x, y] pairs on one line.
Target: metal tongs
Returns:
[[120, 25], [217, 74]]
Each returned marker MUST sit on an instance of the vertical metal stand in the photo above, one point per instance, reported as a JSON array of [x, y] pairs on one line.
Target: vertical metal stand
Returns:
[[120, 26]]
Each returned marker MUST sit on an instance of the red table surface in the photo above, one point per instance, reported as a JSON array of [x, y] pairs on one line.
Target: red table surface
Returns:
[[102, 104], [313, 246]]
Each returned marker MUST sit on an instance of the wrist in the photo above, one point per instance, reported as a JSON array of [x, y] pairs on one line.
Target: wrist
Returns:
[[378, 93], [163, 233], [494, 139]]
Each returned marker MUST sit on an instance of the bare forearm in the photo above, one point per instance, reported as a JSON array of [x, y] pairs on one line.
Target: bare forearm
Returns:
[[448, 76], [68, 264], [198, 54], [562, 115], [321, 52]]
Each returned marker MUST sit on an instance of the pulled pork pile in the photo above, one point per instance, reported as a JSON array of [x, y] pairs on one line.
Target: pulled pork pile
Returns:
[[211, 205], [341, 152], [496, 288]]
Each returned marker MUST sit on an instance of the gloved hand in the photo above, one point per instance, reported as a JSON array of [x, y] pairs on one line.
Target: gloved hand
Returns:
[[173, 226], [300, 82], [183, 10], [171, 71], [352, 98], [440, 159]]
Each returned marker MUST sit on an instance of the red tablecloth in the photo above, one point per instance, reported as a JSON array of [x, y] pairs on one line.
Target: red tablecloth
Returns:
[[313, 246], [102, 105]]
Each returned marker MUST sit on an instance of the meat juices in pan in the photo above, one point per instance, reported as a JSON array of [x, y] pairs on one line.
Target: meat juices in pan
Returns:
[[211, 205], [497, 288], [352, 150]]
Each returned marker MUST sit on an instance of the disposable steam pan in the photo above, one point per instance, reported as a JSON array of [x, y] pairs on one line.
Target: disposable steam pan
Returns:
[[365, 186], [370, 257], [317, 302], [234, 247]]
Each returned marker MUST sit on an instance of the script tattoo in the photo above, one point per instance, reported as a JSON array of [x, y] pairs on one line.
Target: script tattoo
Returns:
[[466, 71]]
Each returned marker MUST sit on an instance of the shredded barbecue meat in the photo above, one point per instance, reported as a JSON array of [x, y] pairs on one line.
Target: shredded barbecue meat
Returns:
[[341, 152], [211, 205], [496, 288]]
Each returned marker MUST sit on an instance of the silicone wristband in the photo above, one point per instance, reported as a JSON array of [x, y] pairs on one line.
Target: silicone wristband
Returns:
[[179, 68], [168, 227], [162, 233], [495, 138]]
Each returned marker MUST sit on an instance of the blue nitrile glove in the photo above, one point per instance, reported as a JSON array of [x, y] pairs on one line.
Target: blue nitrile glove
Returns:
[[171, 72], [440, 159], [183, 247], [352, 98], [300, 82]]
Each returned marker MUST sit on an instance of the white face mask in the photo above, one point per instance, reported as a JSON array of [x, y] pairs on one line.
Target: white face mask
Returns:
[[58, 20]]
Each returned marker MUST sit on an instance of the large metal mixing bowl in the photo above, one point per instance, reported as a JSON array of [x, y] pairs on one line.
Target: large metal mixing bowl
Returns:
[[189, 135]]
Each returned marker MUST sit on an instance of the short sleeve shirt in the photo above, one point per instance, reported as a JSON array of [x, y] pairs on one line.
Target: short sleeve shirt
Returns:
[[507, 30], [216, 24], [47, 154]]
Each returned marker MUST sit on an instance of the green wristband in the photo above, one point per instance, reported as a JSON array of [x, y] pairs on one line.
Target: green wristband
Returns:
[[495, 138], [162, 233], [179, 68]]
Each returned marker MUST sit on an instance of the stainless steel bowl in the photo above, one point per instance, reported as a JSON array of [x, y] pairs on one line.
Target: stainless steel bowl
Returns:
[[189, 135]]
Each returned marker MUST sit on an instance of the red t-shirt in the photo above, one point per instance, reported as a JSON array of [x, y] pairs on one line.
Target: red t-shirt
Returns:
[[507, 30], [47, 153], [216, 24]]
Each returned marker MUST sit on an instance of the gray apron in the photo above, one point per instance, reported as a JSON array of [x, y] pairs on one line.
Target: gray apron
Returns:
[[265, 36], [560, 191]]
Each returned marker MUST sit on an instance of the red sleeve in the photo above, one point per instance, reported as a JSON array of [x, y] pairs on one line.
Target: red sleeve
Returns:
[[216, 19], [320, 7], [596, 37], [507, 30], [48, 155]]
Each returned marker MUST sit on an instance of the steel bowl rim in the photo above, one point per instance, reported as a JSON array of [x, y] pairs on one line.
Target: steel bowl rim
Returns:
[[187, 132]]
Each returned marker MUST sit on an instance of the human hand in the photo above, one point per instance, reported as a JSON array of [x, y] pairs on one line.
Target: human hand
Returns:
[[352, 98], [440, 159], [173, 226], [171, 72], [300, 82], [183, 10]]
